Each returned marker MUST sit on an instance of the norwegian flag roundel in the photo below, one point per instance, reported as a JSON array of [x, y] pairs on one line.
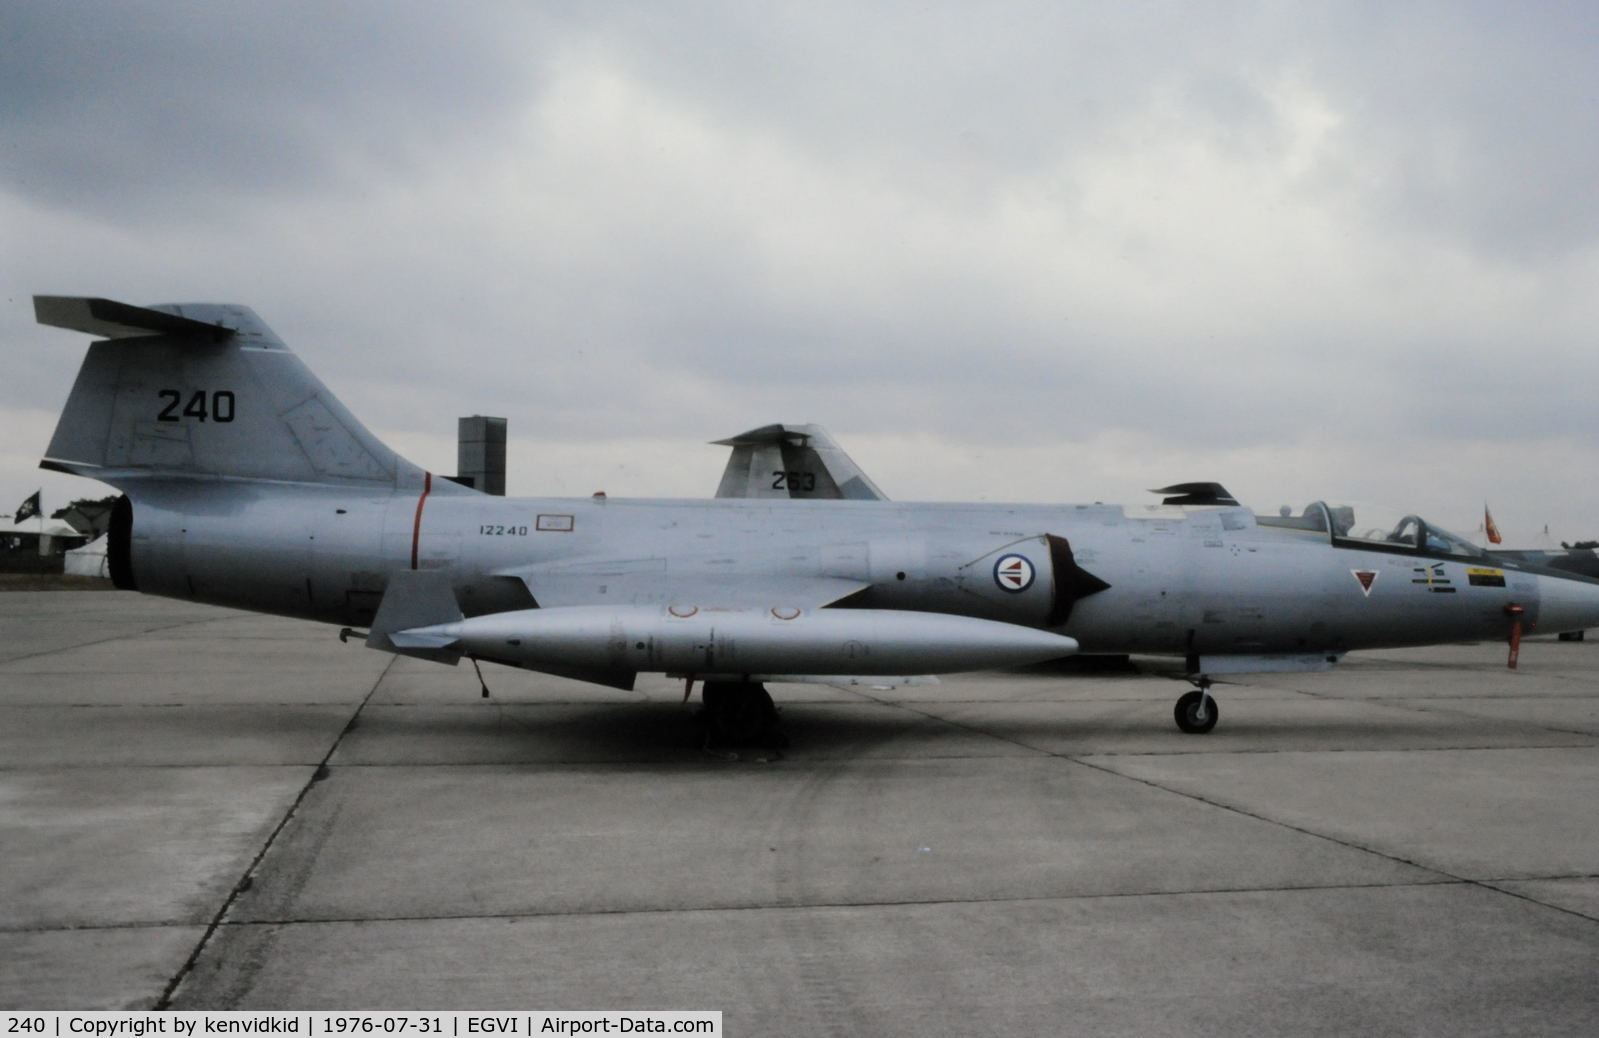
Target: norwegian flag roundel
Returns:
[[1013, 573]]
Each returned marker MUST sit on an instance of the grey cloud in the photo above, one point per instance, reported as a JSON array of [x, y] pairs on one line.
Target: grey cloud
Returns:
[[880, 218], [1476, 119], [146, 110], [1009, 86]]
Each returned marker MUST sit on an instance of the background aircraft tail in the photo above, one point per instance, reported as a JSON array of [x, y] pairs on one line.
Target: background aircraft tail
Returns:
[[799, 461], [204, 390]]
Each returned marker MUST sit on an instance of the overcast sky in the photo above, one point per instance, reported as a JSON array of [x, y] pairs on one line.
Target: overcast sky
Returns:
[[1003, 251]]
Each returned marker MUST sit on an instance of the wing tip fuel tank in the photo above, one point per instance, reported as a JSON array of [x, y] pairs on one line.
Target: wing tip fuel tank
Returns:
[[688, 640]]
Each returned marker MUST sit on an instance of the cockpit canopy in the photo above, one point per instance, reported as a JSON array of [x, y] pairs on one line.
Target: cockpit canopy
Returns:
[[1374, 527]]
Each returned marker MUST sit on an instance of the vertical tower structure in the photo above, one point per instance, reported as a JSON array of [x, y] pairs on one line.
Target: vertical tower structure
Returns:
[[480, 453]]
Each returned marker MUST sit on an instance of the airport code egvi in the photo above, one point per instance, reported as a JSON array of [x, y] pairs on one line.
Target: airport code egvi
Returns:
[[133, 1024]]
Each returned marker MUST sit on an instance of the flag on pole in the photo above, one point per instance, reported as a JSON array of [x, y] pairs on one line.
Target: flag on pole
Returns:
[[28, 509], [1489, 527]]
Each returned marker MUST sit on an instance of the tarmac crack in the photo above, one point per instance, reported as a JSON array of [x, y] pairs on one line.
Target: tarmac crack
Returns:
[[1422, 705], [141, 632], [1281, 888], [246, 881], [1030, 899], [1446, 877]]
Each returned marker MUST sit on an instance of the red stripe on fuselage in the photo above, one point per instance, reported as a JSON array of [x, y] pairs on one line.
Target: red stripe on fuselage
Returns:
[[416, 527]]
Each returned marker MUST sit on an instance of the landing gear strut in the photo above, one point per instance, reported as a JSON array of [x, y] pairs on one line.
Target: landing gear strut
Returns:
[[1196, 711], [740, 713]]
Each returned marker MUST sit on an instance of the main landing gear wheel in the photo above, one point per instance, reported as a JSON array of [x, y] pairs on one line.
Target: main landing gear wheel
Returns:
[[1196, 711], [740, 713]]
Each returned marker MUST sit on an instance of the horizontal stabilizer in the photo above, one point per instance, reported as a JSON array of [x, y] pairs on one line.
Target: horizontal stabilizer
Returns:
[[110, 319]]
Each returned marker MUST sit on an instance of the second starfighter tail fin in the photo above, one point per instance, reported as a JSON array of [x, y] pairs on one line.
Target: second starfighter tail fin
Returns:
[[800, 461], [204, 390]]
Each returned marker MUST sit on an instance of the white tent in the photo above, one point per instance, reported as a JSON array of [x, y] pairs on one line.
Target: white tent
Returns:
[[47, 535], [89, 560]]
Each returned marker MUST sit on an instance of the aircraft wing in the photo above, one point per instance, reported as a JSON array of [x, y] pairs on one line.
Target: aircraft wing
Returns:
[[794, 461], [646, 582]]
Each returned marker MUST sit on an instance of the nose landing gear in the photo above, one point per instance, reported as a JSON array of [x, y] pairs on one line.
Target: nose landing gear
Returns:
[[1196, 711]]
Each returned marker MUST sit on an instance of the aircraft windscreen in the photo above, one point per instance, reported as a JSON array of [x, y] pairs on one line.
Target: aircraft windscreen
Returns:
[[1365, 525]]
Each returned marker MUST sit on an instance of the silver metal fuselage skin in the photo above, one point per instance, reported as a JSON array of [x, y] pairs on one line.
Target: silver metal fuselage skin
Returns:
[[249, 484], [1189, 581]]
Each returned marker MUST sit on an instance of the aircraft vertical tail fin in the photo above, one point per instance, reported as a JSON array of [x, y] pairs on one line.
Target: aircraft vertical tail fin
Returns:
[[204, 390], [799, 461]]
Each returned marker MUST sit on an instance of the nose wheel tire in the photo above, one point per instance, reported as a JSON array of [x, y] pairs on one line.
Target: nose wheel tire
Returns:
[[1196, 712]]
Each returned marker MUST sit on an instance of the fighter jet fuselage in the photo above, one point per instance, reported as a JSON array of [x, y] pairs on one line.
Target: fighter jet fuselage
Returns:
[[248, 484], [1162, 580]]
